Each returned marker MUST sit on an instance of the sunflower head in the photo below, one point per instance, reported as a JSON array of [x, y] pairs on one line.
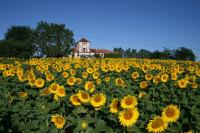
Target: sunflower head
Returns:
[[39, 83], [83, 96], [129, 102], [58, 120], [71, 81], [60, 91], [157, 125], [89, 86], [119, 82], [114, 106], [75, 100], [171, 113], [98, 100], [182, 83], [143, 84], [128, 117], [164, 77]]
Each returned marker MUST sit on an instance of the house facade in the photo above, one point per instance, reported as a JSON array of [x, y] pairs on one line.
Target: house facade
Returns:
[[83, 49]]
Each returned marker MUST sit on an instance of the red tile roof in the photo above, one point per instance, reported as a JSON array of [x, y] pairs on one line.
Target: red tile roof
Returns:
[[105, 51]]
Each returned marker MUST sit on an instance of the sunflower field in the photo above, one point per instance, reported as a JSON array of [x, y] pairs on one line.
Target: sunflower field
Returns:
[[59, 95]]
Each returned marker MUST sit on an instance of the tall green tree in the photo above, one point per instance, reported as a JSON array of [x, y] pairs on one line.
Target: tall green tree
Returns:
[[53, 40], [143, 53], [18, 42], [184, 54]]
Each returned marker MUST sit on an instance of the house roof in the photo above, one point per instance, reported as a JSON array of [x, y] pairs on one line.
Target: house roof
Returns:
[[103, 51], [83, 40]]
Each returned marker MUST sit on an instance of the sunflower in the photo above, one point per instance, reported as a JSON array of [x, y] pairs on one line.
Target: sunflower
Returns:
[[23, 94], [60, 91], [84, 124], [148, 77], [78, 81], [71, 81], [182, 83], [67, 67], [135, 75], [49, 77], [45, 92], [83, 96], [32, 82], [171, 113], [194, 85], [89, 86], [107, 79], [74, 100], [84, 75], [129, 102], [128, 117], [39, 83], [164, 77], [98, 81], [156, 79], [73, 72], [58, 120], [114, 106], [119, 82], [142, 94], [98, 100], [90, 70], [157, 125], [65, 74], [174, 76], [53, 87], [118, 68], [145, 68], [143, 84], [95, 75]]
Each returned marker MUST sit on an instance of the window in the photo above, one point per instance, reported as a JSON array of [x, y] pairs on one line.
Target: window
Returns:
[[84, 50]]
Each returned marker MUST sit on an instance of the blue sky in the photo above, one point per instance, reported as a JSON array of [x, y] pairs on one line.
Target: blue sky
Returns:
[[148, 24]]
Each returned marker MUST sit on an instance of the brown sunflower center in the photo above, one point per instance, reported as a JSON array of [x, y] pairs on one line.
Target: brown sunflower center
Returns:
[[61, 91], [75, 98], [115, 104], [90, 86], [54, 87], [84, 96], [71, 80], [128, 101], [39, 82], [157, 123], [59, 120], [119, 81], [97, 98], [128, 115], [170, 112]]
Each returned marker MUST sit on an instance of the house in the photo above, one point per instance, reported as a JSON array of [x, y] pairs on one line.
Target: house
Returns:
[[83, 49]]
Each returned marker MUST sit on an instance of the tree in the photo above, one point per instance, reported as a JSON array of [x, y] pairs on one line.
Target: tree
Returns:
[[18, 42], [11, 48], [143, 53], [53, 40], [184, 54]]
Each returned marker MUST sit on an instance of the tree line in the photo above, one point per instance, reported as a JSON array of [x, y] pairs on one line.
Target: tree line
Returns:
[[55, 40], [181, 53], [45, 40]]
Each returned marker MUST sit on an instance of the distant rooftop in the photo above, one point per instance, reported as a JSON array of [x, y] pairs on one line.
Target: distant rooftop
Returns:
[[83, 40]]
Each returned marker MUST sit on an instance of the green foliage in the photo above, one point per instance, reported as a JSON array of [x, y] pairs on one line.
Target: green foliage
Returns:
[[184, 54], [53, 40], [18, 42], [112, 55], [181, 53]]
